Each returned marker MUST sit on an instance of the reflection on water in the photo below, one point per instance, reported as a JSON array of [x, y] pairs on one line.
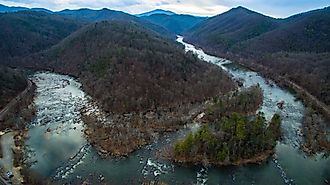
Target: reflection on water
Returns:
[[61, 152], [55, 134]]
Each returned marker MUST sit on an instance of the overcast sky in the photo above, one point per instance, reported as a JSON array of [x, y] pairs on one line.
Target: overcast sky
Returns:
[[275, 8]]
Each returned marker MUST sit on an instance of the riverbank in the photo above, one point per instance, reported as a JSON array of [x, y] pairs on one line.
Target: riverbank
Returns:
[[316, 133], [7, 161], [120, 135], [19, 110], [231, 141], [168, 154], [15, 118]]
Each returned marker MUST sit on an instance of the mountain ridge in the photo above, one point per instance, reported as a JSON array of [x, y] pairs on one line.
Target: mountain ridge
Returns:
[[156, 11], [174, 23], [105, 14], [8, 9]]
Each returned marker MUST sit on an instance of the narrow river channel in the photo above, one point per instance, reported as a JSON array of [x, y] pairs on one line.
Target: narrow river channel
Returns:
[[58, 148]]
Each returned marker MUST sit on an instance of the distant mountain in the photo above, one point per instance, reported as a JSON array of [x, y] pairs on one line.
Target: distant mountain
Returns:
[[42, 10], [26, 32], [157, 11], [89, 15], [127, 67], [4, 9], [7, 9], [95, 15], [175, 23], [225, 30]]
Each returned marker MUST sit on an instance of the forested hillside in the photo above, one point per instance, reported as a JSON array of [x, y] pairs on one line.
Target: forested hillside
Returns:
[[129, 68], [26, 32], [306, 32], [12, 82], [223, 31]]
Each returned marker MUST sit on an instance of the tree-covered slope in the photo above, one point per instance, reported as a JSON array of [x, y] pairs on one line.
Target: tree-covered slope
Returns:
[[129, 68], [307, 32], [26, 32], [12, 82], [223, 31], [298, 50]]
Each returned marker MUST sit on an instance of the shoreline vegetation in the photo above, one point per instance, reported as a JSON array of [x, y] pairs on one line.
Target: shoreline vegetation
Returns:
[[16, 118], [315, 133], [316, 116], [203, 147], [120, 134], [230, 134], [201, 160], [12, 83]]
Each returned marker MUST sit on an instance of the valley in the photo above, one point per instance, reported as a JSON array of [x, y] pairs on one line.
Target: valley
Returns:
[[145, 164], [101, 96]]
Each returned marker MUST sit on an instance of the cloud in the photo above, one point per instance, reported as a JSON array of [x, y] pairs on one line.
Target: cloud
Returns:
[[277, 8], [162, 3]]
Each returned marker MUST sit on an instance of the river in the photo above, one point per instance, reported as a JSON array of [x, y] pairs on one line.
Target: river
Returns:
[[58, 148]]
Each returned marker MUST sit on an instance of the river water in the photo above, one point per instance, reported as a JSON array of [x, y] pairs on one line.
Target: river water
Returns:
[[57, 147]]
